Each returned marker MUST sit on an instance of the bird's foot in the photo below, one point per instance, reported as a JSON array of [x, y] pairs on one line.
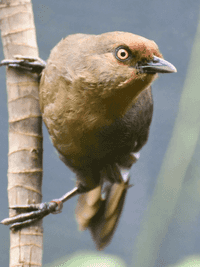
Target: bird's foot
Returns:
[[31, 213], [34, 212], [32, 64]]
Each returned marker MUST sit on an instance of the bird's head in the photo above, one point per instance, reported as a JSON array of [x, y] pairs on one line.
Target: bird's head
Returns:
[[115, 60], [119, 59], [112, 68]]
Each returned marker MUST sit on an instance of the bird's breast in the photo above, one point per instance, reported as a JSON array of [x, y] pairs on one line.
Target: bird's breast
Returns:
[[91, 136]]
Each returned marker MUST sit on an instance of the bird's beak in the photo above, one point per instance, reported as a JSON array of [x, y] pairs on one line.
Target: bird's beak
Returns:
[[157, 65]]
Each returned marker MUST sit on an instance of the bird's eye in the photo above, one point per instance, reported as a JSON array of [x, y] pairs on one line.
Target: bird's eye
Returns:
[[122, 54]]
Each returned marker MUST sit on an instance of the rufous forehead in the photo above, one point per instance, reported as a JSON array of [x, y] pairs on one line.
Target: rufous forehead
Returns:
[[135, 42]]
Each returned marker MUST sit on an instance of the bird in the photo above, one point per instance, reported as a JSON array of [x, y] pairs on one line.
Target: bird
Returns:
[[96, 102]]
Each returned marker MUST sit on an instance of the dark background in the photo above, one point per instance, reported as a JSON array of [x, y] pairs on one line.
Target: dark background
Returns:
[[172, 25]]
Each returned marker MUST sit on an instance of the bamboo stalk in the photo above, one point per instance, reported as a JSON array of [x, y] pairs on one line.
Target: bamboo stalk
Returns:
[[25, 129]]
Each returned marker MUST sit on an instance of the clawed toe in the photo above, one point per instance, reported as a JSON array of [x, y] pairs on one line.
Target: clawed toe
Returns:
[[33, 212], [35, 65]]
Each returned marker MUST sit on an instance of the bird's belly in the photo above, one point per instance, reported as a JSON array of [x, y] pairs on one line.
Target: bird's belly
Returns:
[[104, 143]]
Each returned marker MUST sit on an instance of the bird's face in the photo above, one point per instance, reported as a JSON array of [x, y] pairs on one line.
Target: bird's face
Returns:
[[105, 73], [119, 60]]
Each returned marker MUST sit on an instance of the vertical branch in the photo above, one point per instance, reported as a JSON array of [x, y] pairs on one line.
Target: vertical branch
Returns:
[[25, 129]]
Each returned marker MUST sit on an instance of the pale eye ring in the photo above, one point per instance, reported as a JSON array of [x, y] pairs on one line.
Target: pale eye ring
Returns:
[[122, 54]]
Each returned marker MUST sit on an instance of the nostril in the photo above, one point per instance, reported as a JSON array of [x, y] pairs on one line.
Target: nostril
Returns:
[[155, 60]]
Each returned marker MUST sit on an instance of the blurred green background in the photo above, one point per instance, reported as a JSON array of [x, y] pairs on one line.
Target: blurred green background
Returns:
[[160, 222]]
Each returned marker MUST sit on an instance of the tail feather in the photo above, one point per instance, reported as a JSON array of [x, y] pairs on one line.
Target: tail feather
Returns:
[[99, 210], [101, 214], [102, 226], [113, 199], [87, 206]]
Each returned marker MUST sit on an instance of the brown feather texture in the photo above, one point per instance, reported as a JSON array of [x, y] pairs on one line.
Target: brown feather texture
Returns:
[[96, 102]]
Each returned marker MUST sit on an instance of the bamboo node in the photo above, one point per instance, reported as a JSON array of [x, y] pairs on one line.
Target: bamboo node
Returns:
[[25, 187]]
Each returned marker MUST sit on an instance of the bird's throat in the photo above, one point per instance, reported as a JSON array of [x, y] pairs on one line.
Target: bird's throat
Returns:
[[123, 98]]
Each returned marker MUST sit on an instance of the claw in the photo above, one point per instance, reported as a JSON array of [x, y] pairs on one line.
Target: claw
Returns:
[[38, 212], [24, 208], [35, 212], [17, 226], [30, 59], [35, 65]]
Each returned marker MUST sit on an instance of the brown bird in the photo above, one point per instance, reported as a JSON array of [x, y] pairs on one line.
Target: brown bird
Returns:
[[96, 102]]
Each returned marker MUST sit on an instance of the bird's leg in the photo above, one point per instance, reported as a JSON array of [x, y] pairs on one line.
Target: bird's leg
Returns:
[[34, 212], [35, 65]]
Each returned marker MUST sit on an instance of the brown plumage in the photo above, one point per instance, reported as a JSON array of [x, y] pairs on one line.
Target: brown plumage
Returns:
[[96, 102]]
